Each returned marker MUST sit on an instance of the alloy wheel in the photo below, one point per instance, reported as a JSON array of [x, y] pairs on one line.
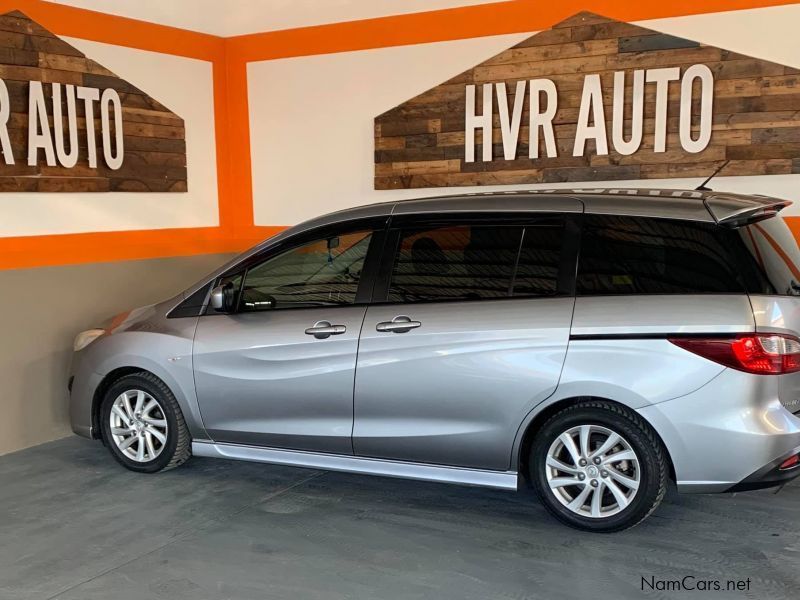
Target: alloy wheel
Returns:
[[138, 426], [593, 471]]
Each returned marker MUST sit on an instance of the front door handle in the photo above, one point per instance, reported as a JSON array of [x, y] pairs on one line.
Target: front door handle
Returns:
[[324, 329], [399, 324]]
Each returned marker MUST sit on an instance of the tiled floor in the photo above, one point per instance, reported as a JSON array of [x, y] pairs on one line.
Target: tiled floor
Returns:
[[75, 526]]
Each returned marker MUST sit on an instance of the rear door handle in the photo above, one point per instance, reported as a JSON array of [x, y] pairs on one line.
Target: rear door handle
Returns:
[[399, 324], [324, 329]]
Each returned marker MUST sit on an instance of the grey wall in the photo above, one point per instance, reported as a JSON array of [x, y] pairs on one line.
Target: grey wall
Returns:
[[42, 310]]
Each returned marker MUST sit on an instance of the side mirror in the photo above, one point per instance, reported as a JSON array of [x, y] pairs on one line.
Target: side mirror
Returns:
[[217, 300]]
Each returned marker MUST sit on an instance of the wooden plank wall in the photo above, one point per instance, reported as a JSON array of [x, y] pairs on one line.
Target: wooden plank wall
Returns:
[[756, 125], [153, 136]]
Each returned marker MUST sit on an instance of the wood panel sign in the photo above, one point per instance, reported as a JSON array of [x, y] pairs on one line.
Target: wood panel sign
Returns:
[[67, 124], [595, 99]]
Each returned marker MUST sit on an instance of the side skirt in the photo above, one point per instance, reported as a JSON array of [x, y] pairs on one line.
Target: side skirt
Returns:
[[506, 480]]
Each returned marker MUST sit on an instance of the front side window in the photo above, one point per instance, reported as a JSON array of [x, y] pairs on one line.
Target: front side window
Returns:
[[639, 255], [323, 272]]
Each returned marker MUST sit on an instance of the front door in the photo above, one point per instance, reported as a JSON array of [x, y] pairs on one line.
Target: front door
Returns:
[[278, 369], [471, 335]]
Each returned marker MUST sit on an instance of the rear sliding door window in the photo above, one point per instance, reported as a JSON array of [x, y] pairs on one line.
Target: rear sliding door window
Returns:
[[637, 255], [476, 262], [539, 259]]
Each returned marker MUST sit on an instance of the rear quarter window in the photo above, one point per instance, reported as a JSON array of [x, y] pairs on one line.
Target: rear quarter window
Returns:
[[640, 255]]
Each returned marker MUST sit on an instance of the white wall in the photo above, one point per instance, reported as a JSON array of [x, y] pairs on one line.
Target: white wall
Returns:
[[183, 85], [312, 117], [254, 16], [311, 121]]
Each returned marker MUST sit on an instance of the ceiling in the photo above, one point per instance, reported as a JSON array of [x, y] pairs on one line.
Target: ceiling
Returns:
[[237, 17]]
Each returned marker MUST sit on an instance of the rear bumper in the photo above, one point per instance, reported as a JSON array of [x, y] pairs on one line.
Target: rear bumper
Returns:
[[730, 435], [770, 475]]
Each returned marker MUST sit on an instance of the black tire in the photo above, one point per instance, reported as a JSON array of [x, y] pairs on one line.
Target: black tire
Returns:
[[653, 465], [178, 446]]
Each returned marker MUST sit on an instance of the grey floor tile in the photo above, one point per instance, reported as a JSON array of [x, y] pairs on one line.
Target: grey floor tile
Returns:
[[235, 531], [69, 512]]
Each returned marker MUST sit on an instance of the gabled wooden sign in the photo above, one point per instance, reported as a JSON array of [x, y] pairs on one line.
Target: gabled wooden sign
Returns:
[[67, 124], [595, 99]]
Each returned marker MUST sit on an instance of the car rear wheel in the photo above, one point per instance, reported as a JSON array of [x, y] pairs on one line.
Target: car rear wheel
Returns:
[[598, 466], [142, 424]]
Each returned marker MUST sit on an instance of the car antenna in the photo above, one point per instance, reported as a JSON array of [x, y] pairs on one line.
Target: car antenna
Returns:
[[702, 187]]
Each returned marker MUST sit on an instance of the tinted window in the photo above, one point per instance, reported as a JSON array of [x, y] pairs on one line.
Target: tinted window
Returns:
[[459, 262], [633, 255], [537, 269], [193, 305], [771, 245], [324, 272]]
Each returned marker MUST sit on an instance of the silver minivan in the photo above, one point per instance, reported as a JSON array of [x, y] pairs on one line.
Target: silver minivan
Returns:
[[592, 344]]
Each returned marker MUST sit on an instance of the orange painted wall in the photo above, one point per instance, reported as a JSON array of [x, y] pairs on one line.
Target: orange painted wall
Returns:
[[229, 57]]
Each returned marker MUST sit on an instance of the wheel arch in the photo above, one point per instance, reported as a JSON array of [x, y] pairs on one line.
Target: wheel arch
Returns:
[[184, 394], [110, 378], [540, 417]]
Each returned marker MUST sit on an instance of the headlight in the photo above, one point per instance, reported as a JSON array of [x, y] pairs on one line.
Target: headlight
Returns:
[[84, 338]]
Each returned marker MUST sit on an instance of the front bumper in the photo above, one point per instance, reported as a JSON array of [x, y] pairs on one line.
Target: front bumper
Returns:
[[82, 384], [729, 435]]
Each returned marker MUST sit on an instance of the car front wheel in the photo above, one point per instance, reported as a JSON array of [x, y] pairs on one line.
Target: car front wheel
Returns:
[[598, 466], [142, 424]]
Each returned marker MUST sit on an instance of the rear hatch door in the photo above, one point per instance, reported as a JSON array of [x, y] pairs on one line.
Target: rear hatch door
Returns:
[[776, 307]]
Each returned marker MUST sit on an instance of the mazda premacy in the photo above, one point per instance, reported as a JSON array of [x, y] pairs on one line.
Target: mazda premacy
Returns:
[[591, 344]]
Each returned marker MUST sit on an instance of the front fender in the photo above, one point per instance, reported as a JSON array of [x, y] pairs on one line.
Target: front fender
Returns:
[[165, 354]]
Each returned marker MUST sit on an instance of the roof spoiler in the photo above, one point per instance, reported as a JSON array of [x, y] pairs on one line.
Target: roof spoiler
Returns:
[[737, 211]]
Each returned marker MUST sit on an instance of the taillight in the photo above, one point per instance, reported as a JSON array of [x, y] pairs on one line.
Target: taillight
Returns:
[[762, 354]]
